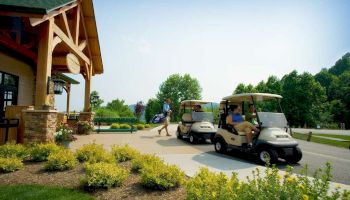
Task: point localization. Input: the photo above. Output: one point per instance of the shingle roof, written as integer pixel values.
(33, 6)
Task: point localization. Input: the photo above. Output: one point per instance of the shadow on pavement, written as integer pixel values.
(223, 162)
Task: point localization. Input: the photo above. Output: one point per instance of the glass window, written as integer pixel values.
(9, 80)
(0, 78)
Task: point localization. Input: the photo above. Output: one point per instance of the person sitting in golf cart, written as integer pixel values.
(250, 114)
(197, 108)
(236, 120)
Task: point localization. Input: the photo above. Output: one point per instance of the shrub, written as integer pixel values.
(40, 152)
(161, 177)
(147, 126)
(94, 153)
(206, 185)
(139, 162)
(271, 185)
(10, 164)
(140, 126)
(125, 126)
(10, 150)
(104, 175)
(61, 160)
(115, 126)
(124, 153)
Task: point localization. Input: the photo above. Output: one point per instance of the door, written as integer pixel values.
(8, 91)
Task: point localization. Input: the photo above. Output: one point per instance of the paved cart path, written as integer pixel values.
(191, 157)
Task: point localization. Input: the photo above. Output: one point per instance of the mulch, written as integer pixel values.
(34, 173)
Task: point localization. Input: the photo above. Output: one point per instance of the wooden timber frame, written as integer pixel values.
(58, 33)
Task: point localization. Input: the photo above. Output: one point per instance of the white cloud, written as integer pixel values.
(140, 45)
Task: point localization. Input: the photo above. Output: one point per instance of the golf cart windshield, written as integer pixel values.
(269, 119)
(202, 116)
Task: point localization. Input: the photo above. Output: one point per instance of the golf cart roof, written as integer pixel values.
(248, 97)
(191, 103)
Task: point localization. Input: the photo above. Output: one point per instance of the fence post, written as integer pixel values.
(309, 136)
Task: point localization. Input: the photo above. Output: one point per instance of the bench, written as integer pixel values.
(109, 120)
(8, 123)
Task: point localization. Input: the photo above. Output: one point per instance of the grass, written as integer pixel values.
(39, 192)
(344, 137)
(326, 141)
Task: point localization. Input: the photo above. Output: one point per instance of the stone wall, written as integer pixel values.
(40, 126)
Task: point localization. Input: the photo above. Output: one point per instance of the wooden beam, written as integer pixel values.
(37, 21)
(85, 33)
(56, 41)
(19, 14)
(82, 45)
(59, 60)
(76, 25)
(87, 107)
(7, 42)
(44, 64)
(66, 25)
(70, 44)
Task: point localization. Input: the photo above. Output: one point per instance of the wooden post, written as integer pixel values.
(43, 69)
(87, 107)
(309, 136)
(68, 98)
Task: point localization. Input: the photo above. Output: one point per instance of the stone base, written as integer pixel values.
(87, 116)
(40, 126)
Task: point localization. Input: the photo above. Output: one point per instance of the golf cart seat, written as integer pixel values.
(231, 129)
(187, 118)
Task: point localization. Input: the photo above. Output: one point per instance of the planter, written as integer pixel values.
(82, 130)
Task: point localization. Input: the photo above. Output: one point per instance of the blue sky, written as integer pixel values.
(221, 43)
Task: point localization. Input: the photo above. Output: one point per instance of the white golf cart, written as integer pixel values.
(196, 124)
(271, 143)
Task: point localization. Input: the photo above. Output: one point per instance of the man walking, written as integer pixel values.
(166, 112)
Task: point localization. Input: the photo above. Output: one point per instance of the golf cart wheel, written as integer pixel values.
(266, 156)
(178, 134)
(220, 146)
(296, 157)
(192, 139)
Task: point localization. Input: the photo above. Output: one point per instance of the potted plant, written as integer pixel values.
(64, 135)
(84, 128)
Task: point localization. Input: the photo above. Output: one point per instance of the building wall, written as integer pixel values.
(25, 73)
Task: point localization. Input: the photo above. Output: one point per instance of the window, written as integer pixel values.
(8, 91)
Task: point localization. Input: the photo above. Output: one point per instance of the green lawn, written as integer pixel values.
(39, 192)
(344, 137)
(324, 140)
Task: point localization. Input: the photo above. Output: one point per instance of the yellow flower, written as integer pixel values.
(290, 179)
(301, 186)
(279, 177)
(337, 186)
(305, 197)
(213, 194)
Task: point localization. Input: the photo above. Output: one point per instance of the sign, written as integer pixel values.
(73, 63)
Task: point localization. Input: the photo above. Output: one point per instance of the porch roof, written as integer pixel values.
(30, 6)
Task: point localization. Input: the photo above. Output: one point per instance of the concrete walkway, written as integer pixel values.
(190, 158)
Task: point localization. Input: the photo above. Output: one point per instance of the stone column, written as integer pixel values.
(87, 116)
(40, 126)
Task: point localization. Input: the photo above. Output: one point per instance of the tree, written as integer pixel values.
(139, 109)
(303, 99)
(341, 65)
(241, 88)
(98, 101)
(326, 79)
(119, 107)
(153, 107)
(179, 88)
